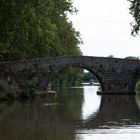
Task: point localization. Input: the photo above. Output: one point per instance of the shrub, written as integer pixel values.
(29, 89)
(138, 86)
(7, 90)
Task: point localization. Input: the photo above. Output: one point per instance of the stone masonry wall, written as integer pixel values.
(115, 75)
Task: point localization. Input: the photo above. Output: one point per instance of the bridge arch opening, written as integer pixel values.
(83, 94)
(75, 76)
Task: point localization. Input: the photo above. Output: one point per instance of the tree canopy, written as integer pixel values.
(135, 12)
(37, 28)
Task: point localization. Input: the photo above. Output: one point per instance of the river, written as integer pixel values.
(76, 113)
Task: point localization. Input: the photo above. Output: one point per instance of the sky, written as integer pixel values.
(105, 28)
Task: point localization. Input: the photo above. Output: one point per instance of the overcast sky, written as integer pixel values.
(105, 28)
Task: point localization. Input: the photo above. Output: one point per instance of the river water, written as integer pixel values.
(76, 113)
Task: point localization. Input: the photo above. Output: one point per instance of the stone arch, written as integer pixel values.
(117, 76)
(77, 65)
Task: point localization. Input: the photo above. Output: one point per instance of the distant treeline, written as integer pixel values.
(88, 76)
(70, 78)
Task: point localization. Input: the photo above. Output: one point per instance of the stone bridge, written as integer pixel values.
(115, 75)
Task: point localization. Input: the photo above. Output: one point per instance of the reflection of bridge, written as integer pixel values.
(115, 111)
(115, 75)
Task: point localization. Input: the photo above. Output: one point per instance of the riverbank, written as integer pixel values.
(11, 91)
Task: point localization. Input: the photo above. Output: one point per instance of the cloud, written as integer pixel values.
(105, 28)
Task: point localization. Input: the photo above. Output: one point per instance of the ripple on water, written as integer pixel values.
(116, 133)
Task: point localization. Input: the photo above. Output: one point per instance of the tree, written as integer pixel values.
(132, 58)
(135, 12)
(88, 76)
(69, 77)
(37, 28)
(111, 56)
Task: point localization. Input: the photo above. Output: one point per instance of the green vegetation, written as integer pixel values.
(138, 87)
(29, 90)
(73, 77)
(137, 90)
(69, 77)
(30, 29)
(132, 58)
(135, 12)
(37, 29)
(7, 90)
(88, 76)
(72, 103)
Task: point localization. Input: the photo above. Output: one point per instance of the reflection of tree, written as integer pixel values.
(33, 122)
(40, 121)
(72, 103)
(137, 97)
(116, 110)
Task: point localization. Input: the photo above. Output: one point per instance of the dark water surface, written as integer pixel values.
(75, 114)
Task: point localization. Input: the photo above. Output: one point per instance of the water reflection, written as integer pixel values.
(71, 100)
(116, 111)
(137, 98)
(76, 114)
(42, 119)
(91, 102)
(117, 114)
(33, 122)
